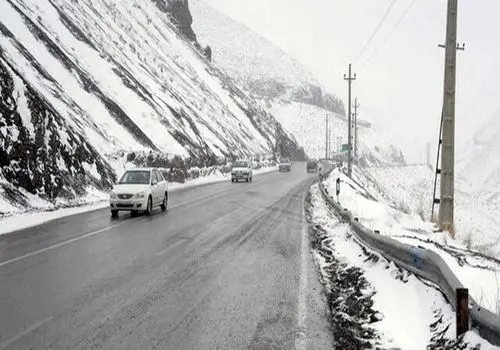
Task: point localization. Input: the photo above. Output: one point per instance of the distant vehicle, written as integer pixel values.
(242, 170)
(312, 166)
(139, 190)
(285, 165)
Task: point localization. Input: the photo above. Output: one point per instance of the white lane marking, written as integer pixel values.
(164, 250)
(301, 340)
(54, 246)
(27, 331)
(200, 199)
(90, 234)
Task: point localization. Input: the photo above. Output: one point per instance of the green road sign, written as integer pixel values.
(345, 147)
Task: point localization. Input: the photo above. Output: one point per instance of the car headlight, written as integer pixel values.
(140, 195)
(113, 195)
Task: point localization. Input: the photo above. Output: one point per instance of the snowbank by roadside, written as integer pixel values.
(373, 301)
(481, 274)
(96, 201)
(476, 216)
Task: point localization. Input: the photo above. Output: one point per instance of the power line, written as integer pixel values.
(376, 29)
(389, 34)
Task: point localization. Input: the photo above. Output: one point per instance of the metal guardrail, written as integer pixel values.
(422, 262)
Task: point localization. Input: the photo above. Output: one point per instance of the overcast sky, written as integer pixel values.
(400, 88)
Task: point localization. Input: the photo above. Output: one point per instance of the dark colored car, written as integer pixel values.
(285, 165)
(312, 167)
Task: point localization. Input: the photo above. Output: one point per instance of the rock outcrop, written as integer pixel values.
(179, 13)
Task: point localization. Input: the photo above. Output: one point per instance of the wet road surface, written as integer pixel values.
(227, 266)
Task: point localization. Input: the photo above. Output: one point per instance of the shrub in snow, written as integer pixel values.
(177, 175)
(131, 157)
(193, 173)
(403, 207)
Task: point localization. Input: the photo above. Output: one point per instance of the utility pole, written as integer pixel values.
(326, 138)
(356, 106)
(349, 79)
(447, 183)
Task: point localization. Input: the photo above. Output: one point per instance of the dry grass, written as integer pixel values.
(403, 207)
(421, 210)
(468, 240)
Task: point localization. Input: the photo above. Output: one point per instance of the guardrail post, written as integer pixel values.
(462, 311)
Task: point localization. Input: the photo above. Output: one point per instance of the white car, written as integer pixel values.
(139, 190)
(242, 170)
(285, 165)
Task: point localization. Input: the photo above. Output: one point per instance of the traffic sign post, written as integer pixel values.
(338, 188)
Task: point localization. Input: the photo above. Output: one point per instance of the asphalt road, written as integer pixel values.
(228, 266)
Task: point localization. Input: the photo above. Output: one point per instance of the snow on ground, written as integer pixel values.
(95, 200)
(479, 273)
(21, 221)
(410, 188)
(307, 123)
(245, 55)
(372, 300)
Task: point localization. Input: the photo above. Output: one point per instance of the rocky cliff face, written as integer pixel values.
(178, 10)
(83, 83)
(39, 151)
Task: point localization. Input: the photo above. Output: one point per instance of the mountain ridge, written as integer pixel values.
(252, 61)
(114, 79)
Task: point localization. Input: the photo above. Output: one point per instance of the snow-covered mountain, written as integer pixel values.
(478, 163)
(308, 124)
(259, 66)
(285, 88)
(82, 81)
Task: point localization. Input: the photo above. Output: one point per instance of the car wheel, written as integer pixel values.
(114, 214)
(149, 210)
(165, 202)
(247, 179)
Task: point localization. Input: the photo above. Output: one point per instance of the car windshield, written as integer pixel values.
(241, 164)
(284, 160)
(135, 178)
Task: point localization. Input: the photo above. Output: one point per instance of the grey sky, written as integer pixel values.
(401, 87)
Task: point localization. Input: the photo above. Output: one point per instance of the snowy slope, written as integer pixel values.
(307, 123)
(284, 87)
(478, 163)
(259, 66)
(84, 80)
(379, 208)
(410, 189)
(478, 181)
(361, 285)
(244, 54)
